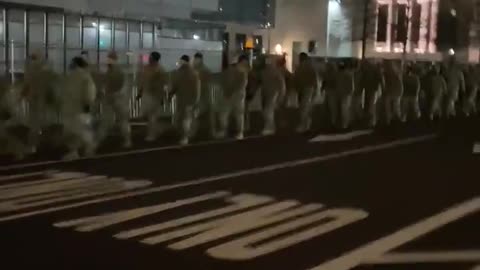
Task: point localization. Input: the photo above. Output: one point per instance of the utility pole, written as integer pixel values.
(366, 8)
(407, 25)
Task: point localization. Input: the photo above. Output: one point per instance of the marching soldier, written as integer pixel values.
(438, 92)
(40, 92)
(306, 82)
(471, 84)
(152, 82)
(115, 102)
(373, 83)
(345, 87)
(78, 100)
(273, 90)
(358, 93)
(411, 95)
(329, 86)
(455, 85)
(234, 84)
(393, 92)
(207, 106)
(186, 87)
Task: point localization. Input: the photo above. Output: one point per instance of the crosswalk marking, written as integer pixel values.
(379, 247)
(427, 257)
(46, 178)
(24, 175)
(240, 202)
(253, 226)
(56, 188)
(94, 223)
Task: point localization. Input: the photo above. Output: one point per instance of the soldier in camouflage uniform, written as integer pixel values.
(455, 85)
(438, 91)
(187, 88)
(115, 102)
(40, 90)
(79, 97)
(234, 86)
(393, 92)
(410, 101)
(471, 84)
(344, 90)
(207, 106)
(306, 82)
(273, 90)
(152, 82)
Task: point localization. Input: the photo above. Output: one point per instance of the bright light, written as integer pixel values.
(196, 37)
(278, 49)
(269, 24)
(453, 12)
(94, 24)
(451, 52)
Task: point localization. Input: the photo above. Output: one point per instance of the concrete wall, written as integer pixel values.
(173, 49)
(137, 8)
(233, 29)
(300, 21)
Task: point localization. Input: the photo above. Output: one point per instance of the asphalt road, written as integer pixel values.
(405, 197)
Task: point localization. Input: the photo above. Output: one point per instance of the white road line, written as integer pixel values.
(427, 257)
(47, 179)
(121, 154)
(379, 247)
(476, 148)
(212, 179)
(25, 175)
(341, 137)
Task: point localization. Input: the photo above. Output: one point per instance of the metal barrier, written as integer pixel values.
(21, 106)
(21, 109)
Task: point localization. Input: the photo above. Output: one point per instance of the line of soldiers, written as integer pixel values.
(352, 93)
(358, 91)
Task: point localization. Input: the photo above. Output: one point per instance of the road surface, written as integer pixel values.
(406, 197)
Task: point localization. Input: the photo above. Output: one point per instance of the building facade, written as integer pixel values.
(415, 29)
(61, 29)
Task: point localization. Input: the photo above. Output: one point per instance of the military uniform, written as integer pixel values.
(410, 101)
(273, 89)
(438, 92)
(41, 94)
(306, 83)
(152, 83)
(393, 93)
(234, 85)
(358, 95)
(9, 142)
(345, 88)
(186, 87)
(329, 85)
(455, 84)
(373, 82)
(471, 84)
(207, 101)
(115, 104)
(79, 98)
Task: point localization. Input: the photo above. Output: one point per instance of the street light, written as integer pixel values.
(278, 49)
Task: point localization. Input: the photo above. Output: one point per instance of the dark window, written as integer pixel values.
(240, 40)
(416, 20)
(382, 23)
(402, 24)
(258, 43)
